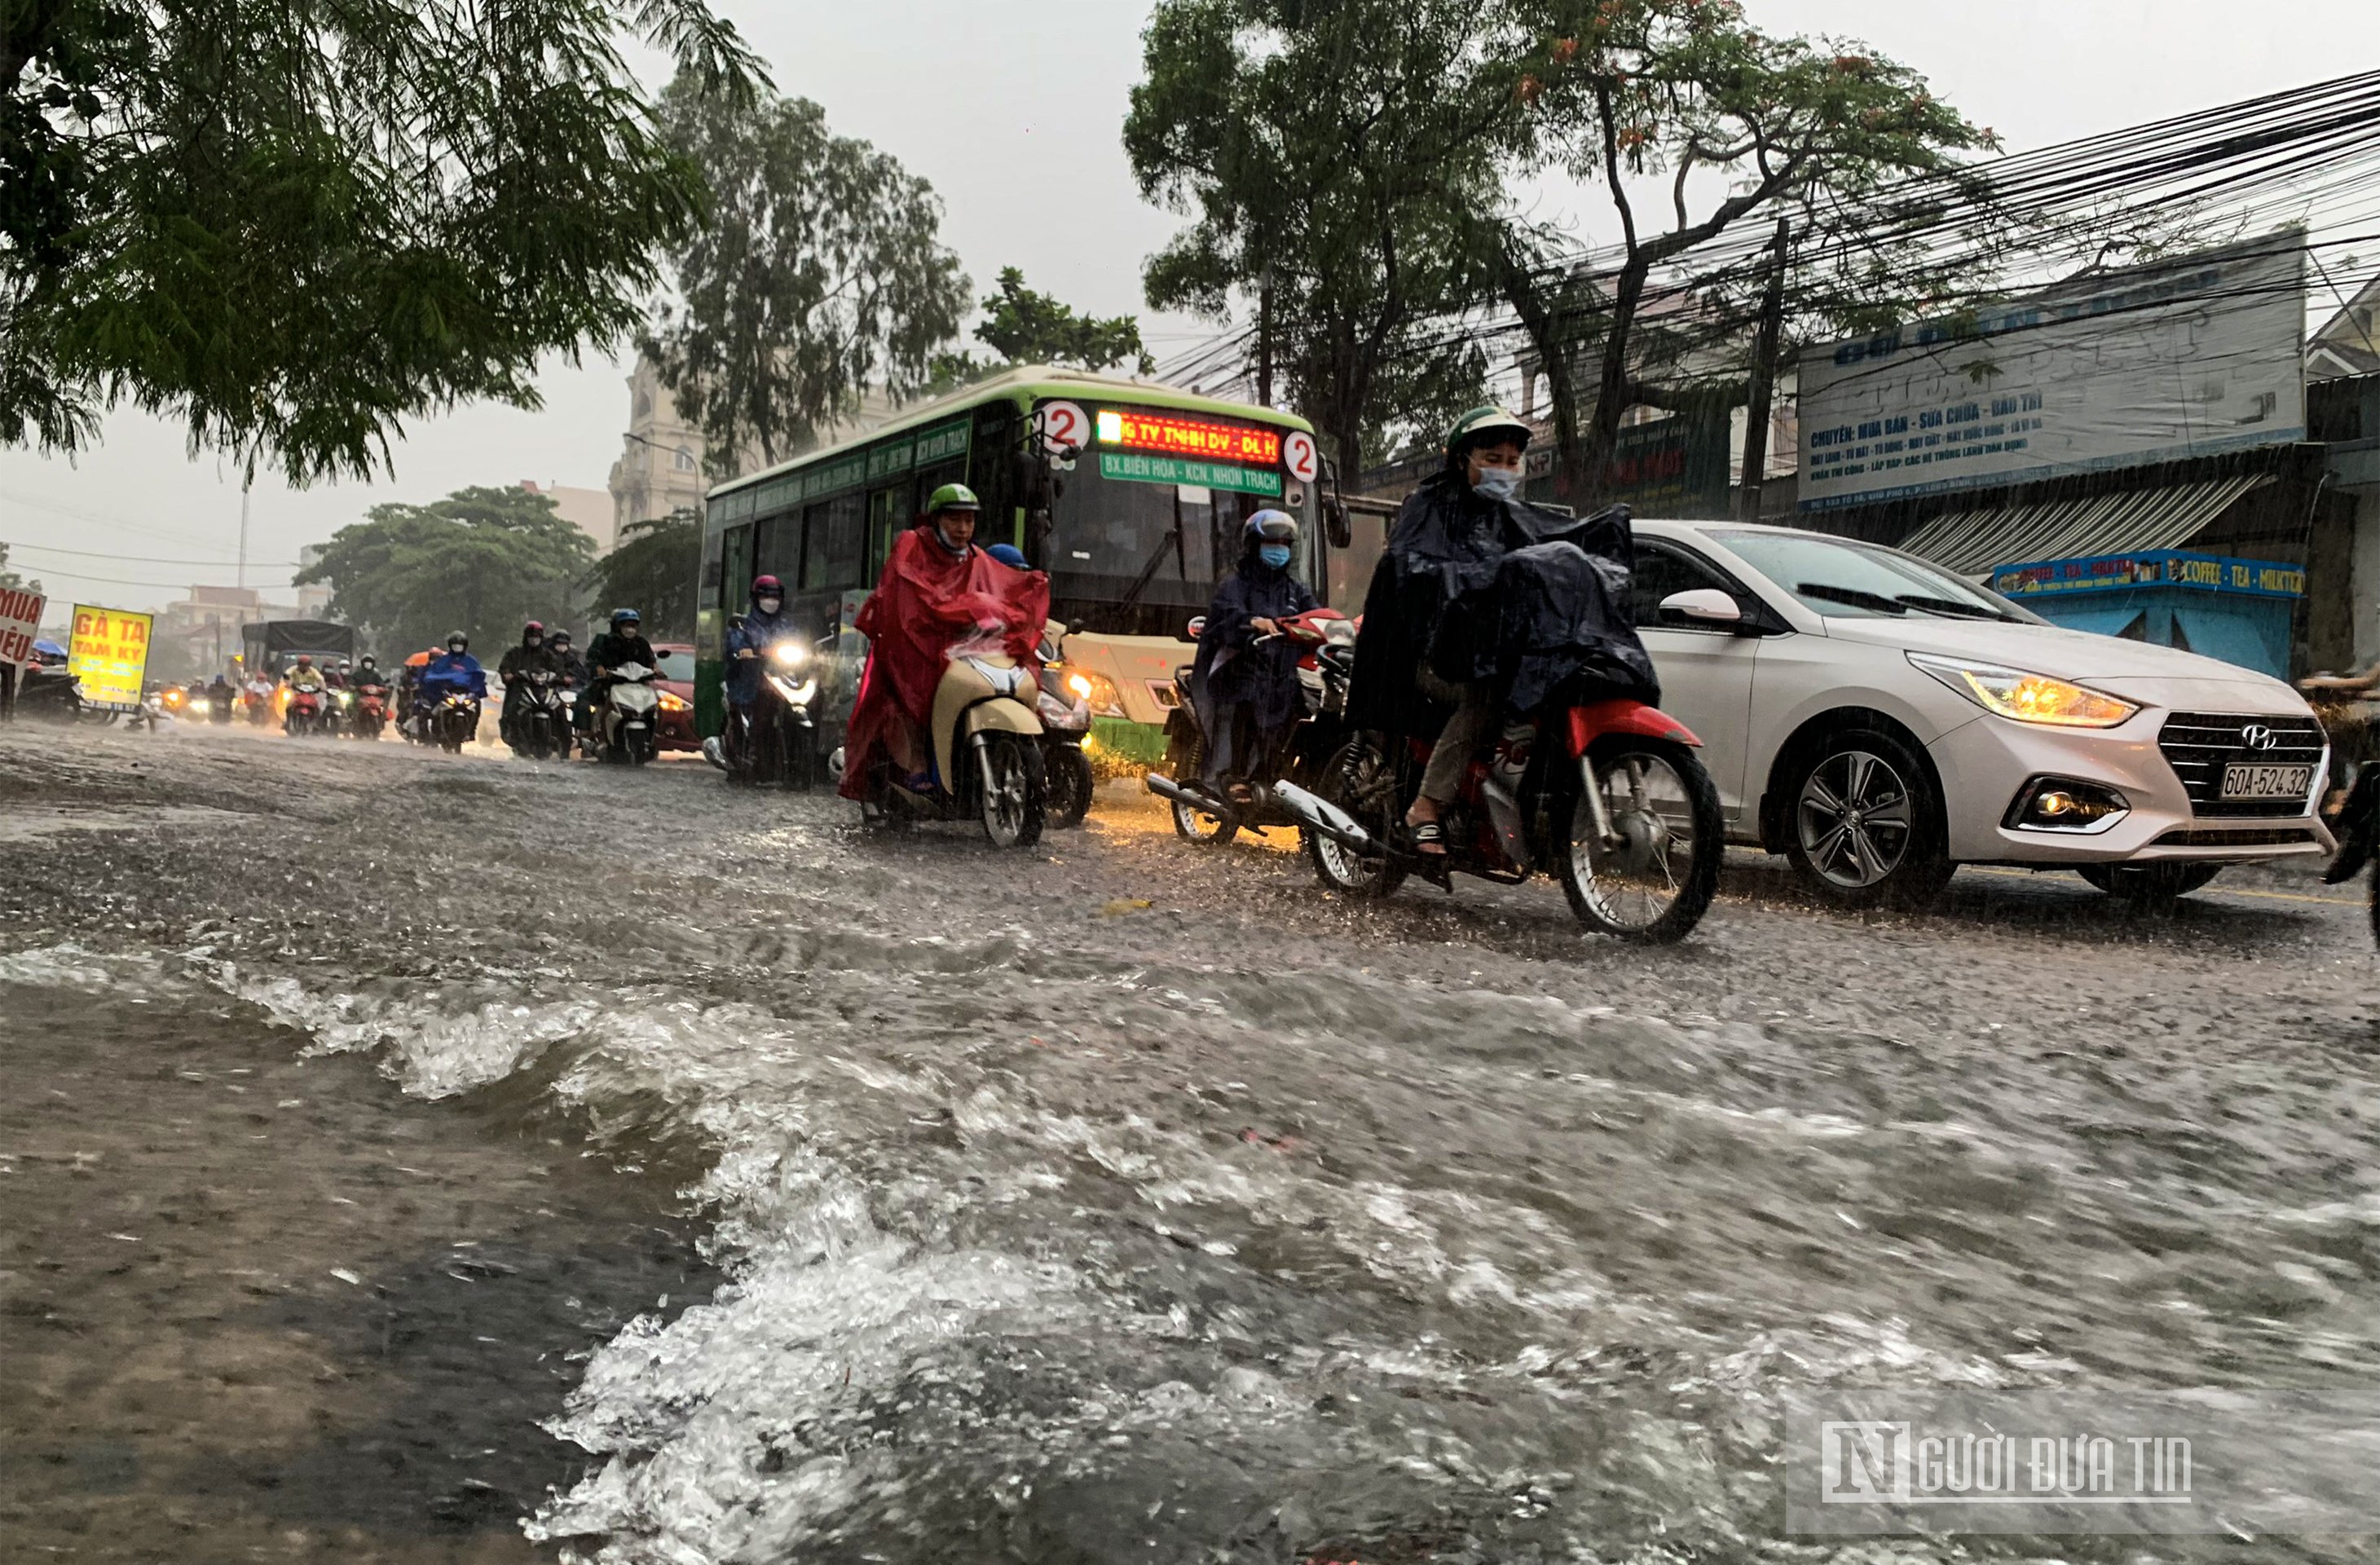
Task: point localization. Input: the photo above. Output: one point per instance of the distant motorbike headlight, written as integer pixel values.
(675, 703)
(2026, 697)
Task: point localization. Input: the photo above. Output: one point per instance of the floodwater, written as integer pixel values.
(1128, 1201)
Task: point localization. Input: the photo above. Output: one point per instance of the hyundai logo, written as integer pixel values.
(2256, 736)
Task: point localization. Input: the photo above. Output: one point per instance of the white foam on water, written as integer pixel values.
(70, 966)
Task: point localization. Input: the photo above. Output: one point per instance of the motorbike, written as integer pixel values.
(219, 707)
(47, 690)
(987, 752)
(625, 726)
(452, 721)
(257, 702)
(1205, 812)
(540, 709)
(1607, 796)
(2357, 825)
(371, 713)
(774, 741)
(179, 703)
(307, 713)
(1065, 711)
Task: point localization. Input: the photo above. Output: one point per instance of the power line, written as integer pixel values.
(139, 559)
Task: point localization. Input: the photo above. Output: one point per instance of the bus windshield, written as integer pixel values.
(1136, 546)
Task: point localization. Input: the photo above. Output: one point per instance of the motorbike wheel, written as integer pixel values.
(802, 759)
(1185, 758)
(1071, 784)
(1015, 796)
(1655, 883)
(1360, 781)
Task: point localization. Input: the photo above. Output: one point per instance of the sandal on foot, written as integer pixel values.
(1429, 837)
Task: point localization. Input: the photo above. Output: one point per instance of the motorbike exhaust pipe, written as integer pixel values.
(1320, 815)
(1164, 787)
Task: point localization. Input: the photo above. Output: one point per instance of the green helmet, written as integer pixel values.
(1482, 424)
(953, 497)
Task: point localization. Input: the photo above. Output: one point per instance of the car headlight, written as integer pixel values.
(675, 703)
(2026, 697)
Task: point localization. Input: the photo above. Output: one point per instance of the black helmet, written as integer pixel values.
(1485, 426)
(458, 636)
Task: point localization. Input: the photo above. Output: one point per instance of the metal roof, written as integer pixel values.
(1973, 543)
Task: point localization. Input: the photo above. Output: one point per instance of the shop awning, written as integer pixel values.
(1972, 542)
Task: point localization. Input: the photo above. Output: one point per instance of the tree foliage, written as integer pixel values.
(1332, 159)
(821, 273)
(1025, 326)
(293, 225)
(1743, 126)
(483, 561)
(652, 569)
(11, 581)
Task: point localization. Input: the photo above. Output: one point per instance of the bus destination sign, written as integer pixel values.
(1203, 439)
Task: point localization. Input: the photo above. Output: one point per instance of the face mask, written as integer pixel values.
(1498, 483)
(1274, 554)
(534, 641)
(768, 605)
(455, 648)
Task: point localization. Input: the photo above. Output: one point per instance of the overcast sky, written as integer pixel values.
(1013, 112)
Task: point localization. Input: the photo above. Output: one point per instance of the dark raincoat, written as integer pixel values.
(1554, 625)
(1446, 542)
(1230, 665)
(927, 603)
(758, 633)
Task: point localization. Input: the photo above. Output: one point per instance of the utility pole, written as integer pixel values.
(1264, 338)
(242, 580)
(1764, 379)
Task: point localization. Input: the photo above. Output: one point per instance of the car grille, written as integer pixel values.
(2247, 837)
(2199, 744)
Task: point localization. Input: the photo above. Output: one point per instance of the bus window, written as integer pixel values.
(833, 561)
(737, 573)
(991, 461)
(777, 551)
(889, 515)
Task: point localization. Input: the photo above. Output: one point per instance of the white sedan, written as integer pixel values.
(1880, 721)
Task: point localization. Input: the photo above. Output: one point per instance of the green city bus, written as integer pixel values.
(1132, 495)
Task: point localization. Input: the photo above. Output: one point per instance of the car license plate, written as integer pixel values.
(2245, 781)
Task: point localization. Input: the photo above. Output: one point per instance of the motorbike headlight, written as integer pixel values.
(789, 654)
(2026, 697)
(1095, 691)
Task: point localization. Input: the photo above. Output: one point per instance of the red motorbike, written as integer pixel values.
(1607, 797)
(304, 715)
(371, 713)
(1216, 812)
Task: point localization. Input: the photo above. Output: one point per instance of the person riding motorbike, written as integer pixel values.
(571, 672)
(334, 675)
(303, 676)
(517, 664)
(749, 642)
(936, 591)
(624, 644)
(1237, 667)
(221, 698)
(452, 672)
(1449, 536)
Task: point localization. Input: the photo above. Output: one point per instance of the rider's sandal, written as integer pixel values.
(1429, 837)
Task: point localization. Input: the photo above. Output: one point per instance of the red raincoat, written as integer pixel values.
(927, 603)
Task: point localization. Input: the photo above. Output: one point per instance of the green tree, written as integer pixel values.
(1743, 128)
(293, 225)
(482, 560)
(821, 272)
(1028, 327)
(652, 569)
(1335, 160)
(10, 581)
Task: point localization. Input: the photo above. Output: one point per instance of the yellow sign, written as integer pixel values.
(108, 655)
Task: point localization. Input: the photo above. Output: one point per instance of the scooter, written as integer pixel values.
(2358, 826)
(626, 721)
(453, 721)
(776, 742)
(1065, 712)
(306, 715)
(1205, 812)
(1606, 796)
(540, 710)
(987, 752)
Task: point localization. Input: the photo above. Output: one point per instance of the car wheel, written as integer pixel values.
(1865, 822)
(2149, 884)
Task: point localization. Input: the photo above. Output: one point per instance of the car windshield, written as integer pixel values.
(676, 664)
(1845, 580)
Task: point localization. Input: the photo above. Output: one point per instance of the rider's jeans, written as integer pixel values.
(1465, 732)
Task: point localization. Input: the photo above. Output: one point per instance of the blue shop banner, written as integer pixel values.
(2152, 567)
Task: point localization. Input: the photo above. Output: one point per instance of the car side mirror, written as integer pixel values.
(1704, 605)
(1336, 527)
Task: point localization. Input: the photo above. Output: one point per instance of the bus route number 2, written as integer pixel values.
(1066, 430)
(1298, 455)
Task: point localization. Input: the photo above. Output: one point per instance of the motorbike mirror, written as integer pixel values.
(1336, 525)
(1198, 628)
(1703, 605)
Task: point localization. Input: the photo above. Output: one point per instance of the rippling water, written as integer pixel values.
(1049, 1254)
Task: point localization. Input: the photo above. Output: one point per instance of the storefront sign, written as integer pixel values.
(108, 655)
(1675, 467)
(2191, 357)
(21, 621)
(1168, 469)
(2159, 568)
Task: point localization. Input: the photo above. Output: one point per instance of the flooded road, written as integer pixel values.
(1129, 1201)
